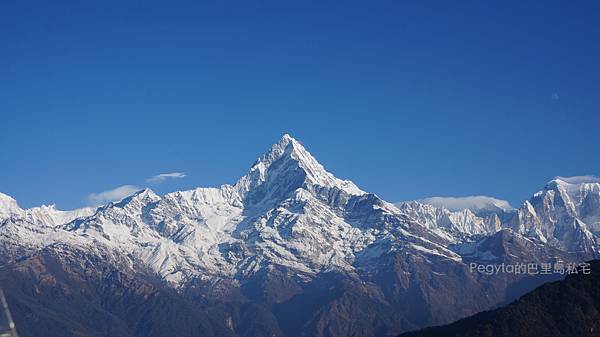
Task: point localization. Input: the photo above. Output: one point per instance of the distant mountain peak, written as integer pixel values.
(286, 167)
(475, 203)
(564, 213)
(286, 146)
(585, 179)
(288, 137)
(143, 196)
(573, 185)
(8, 205)
(146, 193)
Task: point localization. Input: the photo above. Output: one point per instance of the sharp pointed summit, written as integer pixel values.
(288, 166)
(287, 147)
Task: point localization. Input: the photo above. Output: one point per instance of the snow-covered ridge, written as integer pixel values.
(45, 215)
(475, 203)
(287, 211)
(453, 223)
(587, 179)
(565, 214)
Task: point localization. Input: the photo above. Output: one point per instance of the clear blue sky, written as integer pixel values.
(408, 99)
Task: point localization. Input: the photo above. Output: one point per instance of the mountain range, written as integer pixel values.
(288, 250)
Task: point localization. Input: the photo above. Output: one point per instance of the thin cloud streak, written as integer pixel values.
(115, 194)
(157, 179)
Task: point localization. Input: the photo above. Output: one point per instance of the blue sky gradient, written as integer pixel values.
(408, 99)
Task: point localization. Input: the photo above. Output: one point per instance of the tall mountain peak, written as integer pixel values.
(564, 212)
(573, 183)
(143, 196)
(288, 166)
(285, 146)
(587, 179)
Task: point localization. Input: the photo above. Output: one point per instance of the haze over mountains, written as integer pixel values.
(288, 250)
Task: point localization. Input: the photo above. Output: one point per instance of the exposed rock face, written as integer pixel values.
(565, 214)
(289, 250)
(69, 291)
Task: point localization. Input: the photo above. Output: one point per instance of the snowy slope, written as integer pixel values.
(455, 224)
(286, 211)
(565, 214)
(44, 215)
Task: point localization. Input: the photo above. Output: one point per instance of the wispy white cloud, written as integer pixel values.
(475, 203)
(115, 194)
(157, 179)
(580, 179)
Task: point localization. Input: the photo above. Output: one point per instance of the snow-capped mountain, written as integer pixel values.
(565, 214)
(288, 210)
(287, 238)
(455, 224)
(47, 215)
